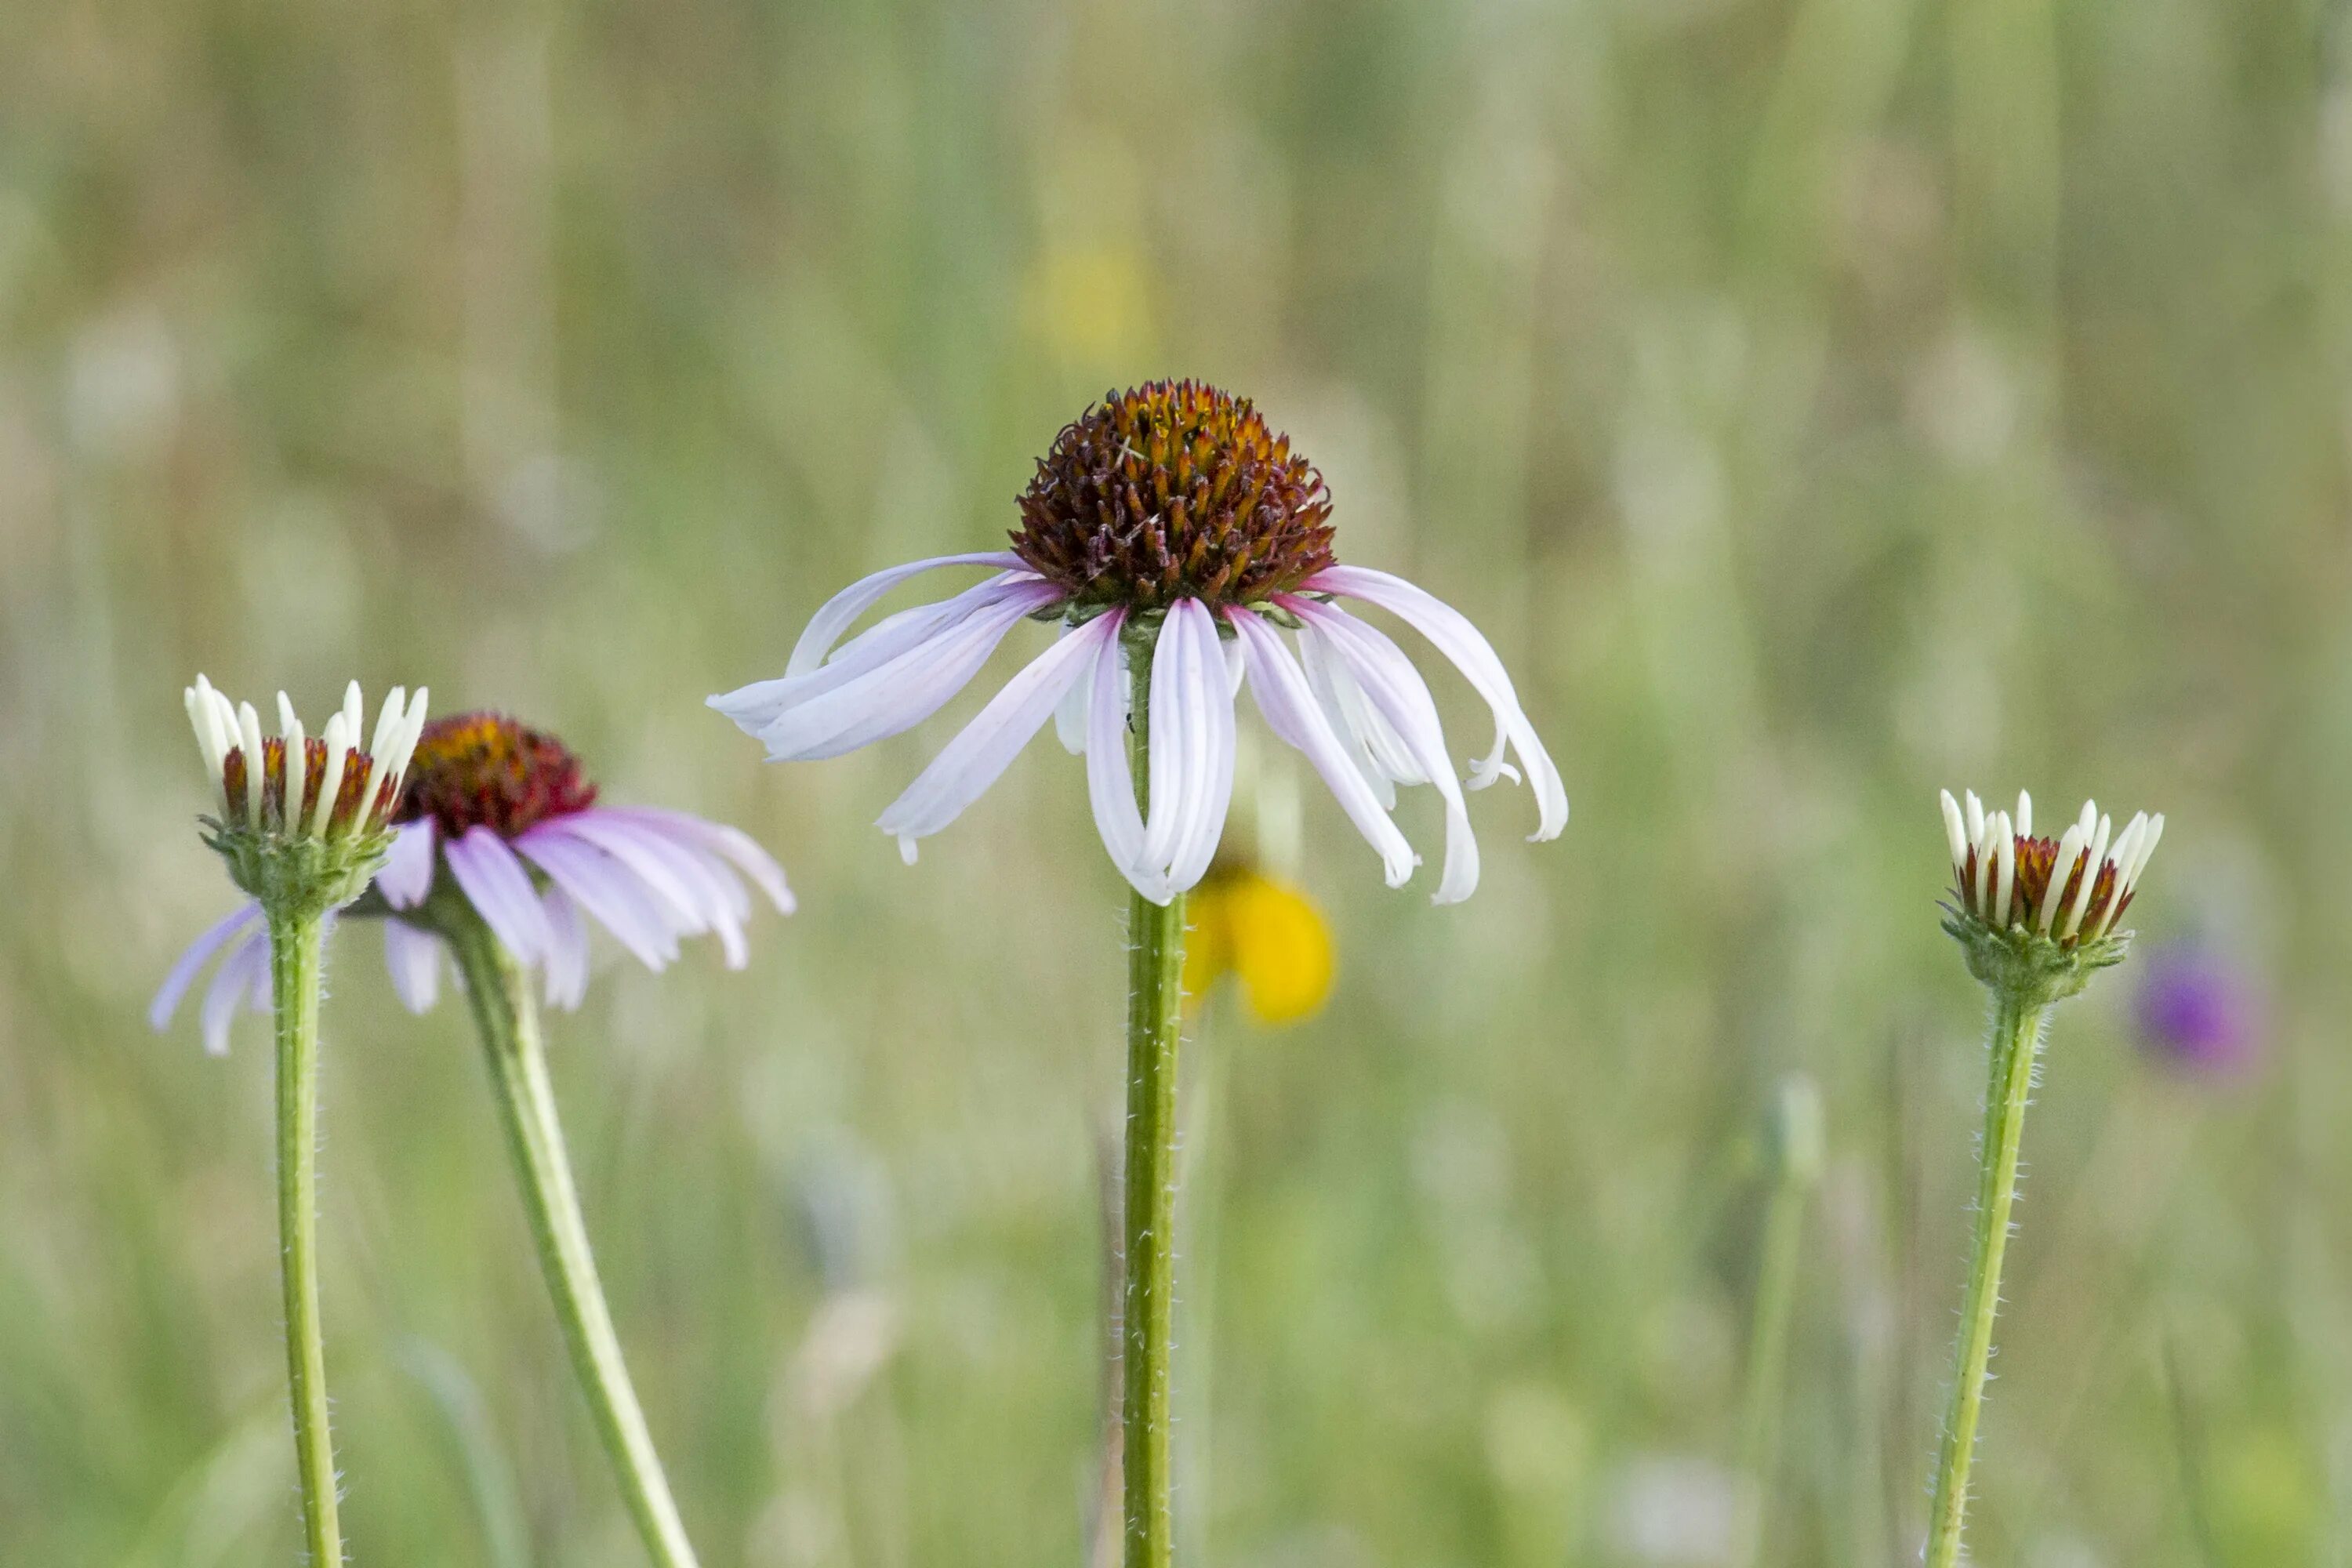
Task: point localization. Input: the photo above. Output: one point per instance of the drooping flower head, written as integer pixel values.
(303, 820)
(1168, 524)
(2053, 904)
(510, 814)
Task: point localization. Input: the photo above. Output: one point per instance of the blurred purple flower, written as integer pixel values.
(2197, 1011)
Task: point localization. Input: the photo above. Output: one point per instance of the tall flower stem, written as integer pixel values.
(1154, 1030)
(507, 1016)
(2014, 1042)
(294, 960)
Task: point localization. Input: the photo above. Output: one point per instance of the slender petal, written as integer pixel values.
(1208, 727)
(244, 977)
(761, 703)
(606, 889)
(1070, 716)
(413, 957)
(825, 627)
(192, 962)
(1181, 750)
(1373, 741)
(986, 747)
(1452, 635)
(730, 844)
(900, 693)
(1291, 711)
(1396, 691)
(498, 887)
(1110, 782)
(567, 952)
(406, 876)
(665, 875)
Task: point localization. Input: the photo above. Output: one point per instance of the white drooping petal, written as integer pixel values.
(1203, 726)
(407, 873)
(192, 962)
(1370, 738)
(841, 611)
(1110, 781)
(498, 887)
(902, 692)
(1070, 713)
(685, 906)
(755, 706)
(1291, 711)
(1396, 691)
(1452, 635)
(1179, 749)
(986, 747)
(413, 959)
(567, 952)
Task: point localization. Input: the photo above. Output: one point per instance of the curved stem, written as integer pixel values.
(507, 1018)
(294, 942)
(2015, 1041)
(1154, 1029)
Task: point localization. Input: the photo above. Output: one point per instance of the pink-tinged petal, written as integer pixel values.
(841, 611)
(1451, 634)
(713, 895)
(986, 746)
(756, 707)
(1070, 713)
(408, 874)
(567, 952)
(498, 887)
(682, 901)
(605, 888)
(413, 958)
(1291, 712)
(730, 843)
(1396, 692)
(1110, 782)
(191, 962)
(896, 696)
(244, 977)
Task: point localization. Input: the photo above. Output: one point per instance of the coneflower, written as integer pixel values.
(496, 855)
(303, 823)
(2036, 918)
(1175, 538)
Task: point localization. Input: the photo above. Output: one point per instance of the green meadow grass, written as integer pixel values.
(1819, 402)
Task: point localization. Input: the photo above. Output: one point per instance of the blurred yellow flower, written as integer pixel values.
(1266, 933)
(1092, 304)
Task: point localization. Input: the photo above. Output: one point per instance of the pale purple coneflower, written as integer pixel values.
(1175, 538)
(515, 822)
(1169, 524)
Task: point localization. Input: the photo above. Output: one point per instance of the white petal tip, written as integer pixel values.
(906, 849)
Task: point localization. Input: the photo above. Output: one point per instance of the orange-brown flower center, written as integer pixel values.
(2037, 863)
(485, 770)
(1174, 489)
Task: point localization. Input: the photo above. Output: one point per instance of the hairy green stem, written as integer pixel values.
(294, 960)
(507, 1018)
(1154, 1030)
(2014, 1042)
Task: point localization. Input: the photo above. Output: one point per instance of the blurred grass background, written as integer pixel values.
(1818, 402)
